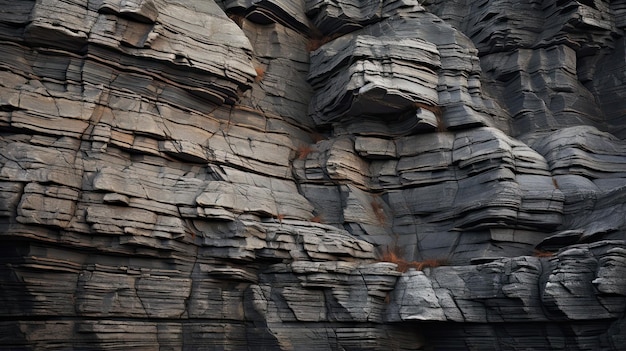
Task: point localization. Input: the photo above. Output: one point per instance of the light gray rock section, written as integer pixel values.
(348, 79)
(581, 283)
(417, 301)
(281, 62)
(151, 31)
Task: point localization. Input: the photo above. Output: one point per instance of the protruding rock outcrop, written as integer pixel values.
(319, 175)
(531, 297)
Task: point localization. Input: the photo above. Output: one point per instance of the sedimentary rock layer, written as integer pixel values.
(319, 175)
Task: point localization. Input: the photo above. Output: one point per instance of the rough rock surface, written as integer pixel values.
(312, 175)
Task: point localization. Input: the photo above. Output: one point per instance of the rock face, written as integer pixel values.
(312, 175)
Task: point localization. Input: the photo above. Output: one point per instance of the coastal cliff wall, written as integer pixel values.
(312, 175)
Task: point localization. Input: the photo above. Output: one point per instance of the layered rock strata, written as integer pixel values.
(319, 175)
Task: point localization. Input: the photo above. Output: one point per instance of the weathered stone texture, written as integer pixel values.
(312, 175)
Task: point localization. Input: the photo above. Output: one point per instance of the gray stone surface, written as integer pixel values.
(582, 283)
(319, 175)
(352, 76)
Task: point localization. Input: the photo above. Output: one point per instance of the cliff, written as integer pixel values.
(312, 175)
